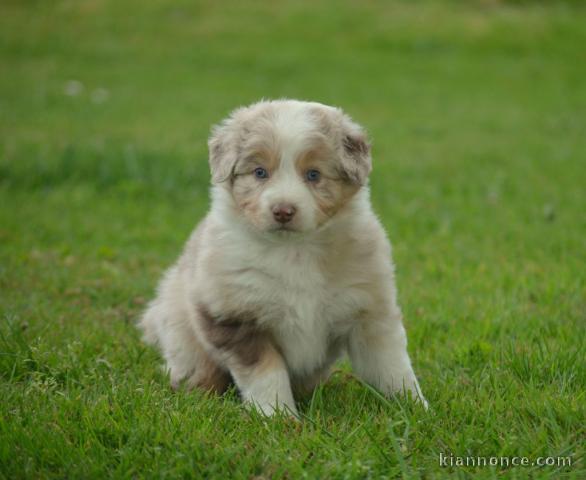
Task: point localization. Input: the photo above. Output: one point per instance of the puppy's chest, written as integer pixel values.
(306, 310)
(311, 320)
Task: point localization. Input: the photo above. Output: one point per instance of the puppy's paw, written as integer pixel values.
(272, 409)
(422, 401)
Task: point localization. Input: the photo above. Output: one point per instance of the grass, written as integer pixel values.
(477, 114)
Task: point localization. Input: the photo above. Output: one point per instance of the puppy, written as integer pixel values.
(290, 268)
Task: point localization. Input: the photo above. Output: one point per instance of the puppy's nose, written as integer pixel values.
(283, 212)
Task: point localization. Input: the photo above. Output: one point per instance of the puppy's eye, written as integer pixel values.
(313, 175)
(261, 173)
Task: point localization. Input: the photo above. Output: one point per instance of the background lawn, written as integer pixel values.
(477, 110)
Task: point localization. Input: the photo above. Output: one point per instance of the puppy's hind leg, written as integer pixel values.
(185, 358)
(167, 324)
(164, 326)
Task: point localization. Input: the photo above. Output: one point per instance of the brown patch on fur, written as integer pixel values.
(356, 144)
(246, 191)
(356, 160)
(353, 147)
(236, 334)
(319, 157)
(257, 156)
(213, 378)
(332, 196)
(246, 188)
(333, 191)
(304, 387)
(271, 359)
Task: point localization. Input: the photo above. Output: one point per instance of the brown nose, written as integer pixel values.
(283, 212)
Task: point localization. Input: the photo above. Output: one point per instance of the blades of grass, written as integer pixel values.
(397, 449)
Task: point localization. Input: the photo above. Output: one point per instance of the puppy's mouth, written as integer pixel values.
(283, 228)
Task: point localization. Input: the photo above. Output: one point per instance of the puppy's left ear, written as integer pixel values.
(356, 159)
(222, 151)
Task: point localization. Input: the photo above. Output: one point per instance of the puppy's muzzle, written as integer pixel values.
(283, 212)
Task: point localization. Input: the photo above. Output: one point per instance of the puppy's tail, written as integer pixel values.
(148, 323)
(166, 308)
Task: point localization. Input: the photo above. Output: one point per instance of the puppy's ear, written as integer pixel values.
(222, 151)
(356, 159)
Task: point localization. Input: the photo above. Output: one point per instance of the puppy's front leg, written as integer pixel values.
(264, 383)
(257, 367)
(378, 352)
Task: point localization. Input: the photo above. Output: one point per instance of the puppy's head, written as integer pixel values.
(289, 165)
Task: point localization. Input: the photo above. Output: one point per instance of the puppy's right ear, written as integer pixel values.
(222, 152)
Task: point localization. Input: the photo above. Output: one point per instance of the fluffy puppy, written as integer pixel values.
(290, 268)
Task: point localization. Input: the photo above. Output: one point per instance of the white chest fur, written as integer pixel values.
(303, 307)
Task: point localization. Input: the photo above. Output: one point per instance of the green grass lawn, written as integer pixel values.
(477, 111)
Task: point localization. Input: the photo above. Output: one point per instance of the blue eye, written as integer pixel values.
(313, 175)
(261, 173)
